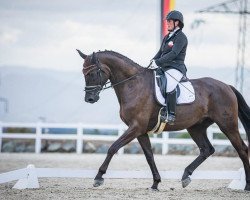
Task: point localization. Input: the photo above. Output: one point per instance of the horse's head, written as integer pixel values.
(96, 74)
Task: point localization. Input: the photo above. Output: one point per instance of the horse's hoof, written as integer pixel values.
(98, 182)
(186, 182)
(153, 189)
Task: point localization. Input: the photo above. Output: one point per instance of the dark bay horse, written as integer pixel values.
(215, 102)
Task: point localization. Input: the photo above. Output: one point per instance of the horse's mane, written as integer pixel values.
(126, 59)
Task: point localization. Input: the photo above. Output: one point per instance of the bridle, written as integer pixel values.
(99, 87)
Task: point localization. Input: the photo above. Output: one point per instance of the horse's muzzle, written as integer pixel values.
(91, 98)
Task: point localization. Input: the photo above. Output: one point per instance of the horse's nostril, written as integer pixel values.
(91, 100)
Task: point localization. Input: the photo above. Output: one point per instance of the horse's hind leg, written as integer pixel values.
(230, 129)
(146, 147)
(199, 135)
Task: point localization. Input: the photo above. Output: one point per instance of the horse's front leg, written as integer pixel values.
(147, 149)
(131, 133)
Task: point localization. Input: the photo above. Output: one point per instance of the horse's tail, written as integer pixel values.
(244, 113)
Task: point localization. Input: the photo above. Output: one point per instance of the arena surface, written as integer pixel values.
(77, 188)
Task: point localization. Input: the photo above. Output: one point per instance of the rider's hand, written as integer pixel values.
(153, 65)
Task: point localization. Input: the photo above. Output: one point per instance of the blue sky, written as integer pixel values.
(45, 34)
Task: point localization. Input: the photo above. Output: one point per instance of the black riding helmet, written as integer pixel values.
(176, 15)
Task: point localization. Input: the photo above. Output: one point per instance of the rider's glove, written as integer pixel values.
(153, 65)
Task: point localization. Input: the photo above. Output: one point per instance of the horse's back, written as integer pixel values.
(211, 86)
(207, 81)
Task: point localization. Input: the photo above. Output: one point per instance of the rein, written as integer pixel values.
(94, 87)
(125, 80)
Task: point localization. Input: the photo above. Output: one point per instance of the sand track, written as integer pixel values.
(76, 188)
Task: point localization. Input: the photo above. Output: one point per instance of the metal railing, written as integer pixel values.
(80, 136)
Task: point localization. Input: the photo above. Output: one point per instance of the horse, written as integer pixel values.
(215, 102)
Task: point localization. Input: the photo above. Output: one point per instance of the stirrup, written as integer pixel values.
(171, 119)
(164, 115)
(164, 118)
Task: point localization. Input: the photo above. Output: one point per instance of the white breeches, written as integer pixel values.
(173, 78)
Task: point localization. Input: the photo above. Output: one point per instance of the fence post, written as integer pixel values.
(120, 132)
(165, 145)
(79, 142)
(1, 135)
(38, 137)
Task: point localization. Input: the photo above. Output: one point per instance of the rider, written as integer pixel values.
(170, 58)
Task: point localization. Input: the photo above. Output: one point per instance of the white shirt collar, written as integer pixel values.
(172, 32)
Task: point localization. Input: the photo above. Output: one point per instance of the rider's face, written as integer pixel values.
(170, 24)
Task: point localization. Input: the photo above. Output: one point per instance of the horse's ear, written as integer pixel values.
(93, 58)
(81, 54)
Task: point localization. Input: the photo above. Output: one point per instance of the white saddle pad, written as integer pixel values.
(187, 94)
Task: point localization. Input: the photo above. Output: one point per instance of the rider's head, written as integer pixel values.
(174, 19)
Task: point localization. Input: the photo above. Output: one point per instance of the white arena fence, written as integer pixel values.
(80, 136)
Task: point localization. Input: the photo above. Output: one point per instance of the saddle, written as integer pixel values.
(162, 82)
(184, 90)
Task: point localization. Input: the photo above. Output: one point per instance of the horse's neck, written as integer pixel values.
(120, 69)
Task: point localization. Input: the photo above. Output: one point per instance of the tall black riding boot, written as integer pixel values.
(171, 100)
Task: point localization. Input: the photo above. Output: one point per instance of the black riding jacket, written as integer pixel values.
(172, 52)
